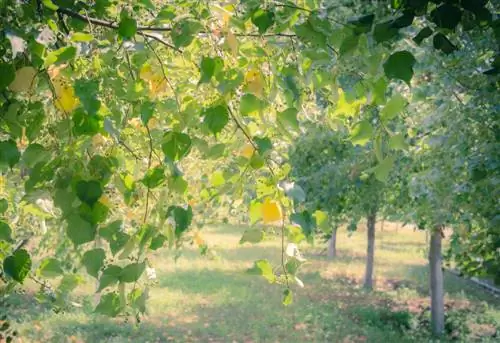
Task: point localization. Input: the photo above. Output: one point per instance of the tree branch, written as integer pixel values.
(114, 26)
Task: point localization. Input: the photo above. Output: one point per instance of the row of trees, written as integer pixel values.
(110, 109)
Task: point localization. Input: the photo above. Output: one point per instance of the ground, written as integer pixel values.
(200, 299)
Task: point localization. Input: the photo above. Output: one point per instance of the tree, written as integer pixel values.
(329, 169)
(103, 106)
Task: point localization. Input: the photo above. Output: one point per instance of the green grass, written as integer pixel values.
(198, 299)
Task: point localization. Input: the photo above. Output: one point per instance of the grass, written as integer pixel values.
(199, 299)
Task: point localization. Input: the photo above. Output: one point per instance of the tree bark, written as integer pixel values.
(436, 283)
(370, 250)
(332, 244)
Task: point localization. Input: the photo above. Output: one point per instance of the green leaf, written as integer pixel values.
(110, 276)
(178, 184)
(9, 154)
(287, 297)
(307, 33)
(18, 265)
(81, 37)
(349, 44)
(7, 75)
(250, 104)
(60, 56)
(137, 300)
(157, 242)
(216, 118)
(34, 154)
(154, 177)
(321, 218)
(257, 161)
(182, 217)
(109, 305)
(441, 42)
(398, 142)
(423, 34)
(288, 118)
(295, 192)
(361, 133)
(446, 16)
(50, 267)
(393, 107)
(255, 211)
(93, 260)
(263, 19)
(183, 32)
(217, 179)
(252, 236)
(4, 206)
(50, 5)
(264, 144)
(89, 192)
(176, 145)
(383, 169)
(209, 67)
(305, 220)
(5, 231)
(400, 66)
(363, 24)
(263, 268)
(127, 27)
(79, 230)
(132, 272)
(147, 110)
(384, 32)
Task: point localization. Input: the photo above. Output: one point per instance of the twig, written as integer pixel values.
(162, 66)
(158, 39)
(105, 23)
(114, 26)
(283, 250)
(149, 166)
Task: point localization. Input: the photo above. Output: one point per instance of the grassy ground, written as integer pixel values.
(212, 300)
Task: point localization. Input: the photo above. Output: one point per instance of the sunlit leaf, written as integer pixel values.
(271, 211)
(362, 133)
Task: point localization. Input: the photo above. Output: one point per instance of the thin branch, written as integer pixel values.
(288, 35)
(159, 39)
(106, 23)
(114, 26)
(162, 66)
(294, 7)
(149, 166)
(283, 250)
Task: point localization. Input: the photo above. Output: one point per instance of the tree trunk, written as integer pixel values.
(370, 250)
(436, 283)
(332, 244)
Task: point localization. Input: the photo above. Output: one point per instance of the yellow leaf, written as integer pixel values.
(105, 201)
(198, 240)
(66, 100)
(271, 211)
(346, 108)
(247, 151)
(254, 81)
(232, 43)
(146, 72)
(24, 81)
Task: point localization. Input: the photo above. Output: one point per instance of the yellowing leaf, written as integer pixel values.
(66, 100)
(24, 81)
(346, 108)
(198, 240)
(247, 151)
(254, 82)
(232, 42)
(271, 211)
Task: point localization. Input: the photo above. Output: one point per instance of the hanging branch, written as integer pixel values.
(105, 23)
(114, 26)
